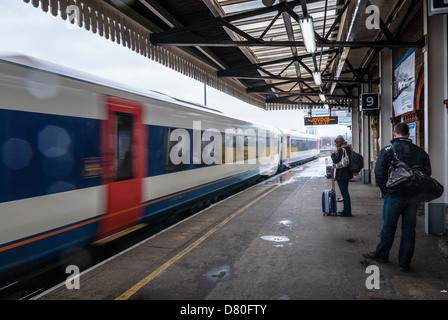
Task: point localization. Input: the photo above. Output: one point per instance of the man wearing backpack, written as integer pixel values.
(398, 202)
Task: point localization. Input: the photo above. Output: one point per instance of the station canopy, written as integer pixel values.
(274, 54)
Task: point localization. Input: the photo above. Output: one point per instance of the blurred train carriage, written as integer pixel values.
(82, 158)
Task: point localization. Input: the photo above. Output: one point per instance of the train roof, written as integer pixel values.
(45, 66)
(294, 132)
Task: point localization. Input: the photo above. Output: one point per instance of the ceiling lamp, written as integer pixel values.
(317, 78)
(306, 25)
(322, 97)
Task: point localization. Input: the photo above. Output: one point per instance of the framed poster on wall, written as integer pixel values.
(404, 83)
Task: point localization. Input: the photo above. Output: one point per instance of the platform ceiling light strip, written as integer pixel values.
(105, 20)
(317, 78)
(306, 25)
(322, 97)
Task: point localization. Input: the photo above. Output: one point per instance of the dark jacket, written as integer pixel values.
(342, 173)
(409, 153)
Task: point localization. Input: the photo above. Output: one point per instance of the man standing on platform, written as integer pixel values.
(398, 202)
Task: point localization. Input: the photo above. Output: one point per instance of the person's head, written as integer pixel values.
(401, 130)
(339, 141)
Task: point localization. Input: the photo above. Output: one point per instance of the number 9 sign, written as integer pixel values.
(370, 101)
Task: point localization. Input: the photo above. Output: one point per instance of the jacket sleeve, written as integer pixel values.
(336, 157)
(381, 170)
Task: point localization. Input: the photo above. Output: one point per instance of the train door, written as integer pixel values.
(123, 164)
(288, 148)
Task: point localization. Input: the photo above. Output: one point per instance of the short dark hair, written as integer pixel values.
(401, 129)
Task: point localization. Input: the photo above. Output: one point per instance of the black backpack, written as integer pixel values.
(356, 162)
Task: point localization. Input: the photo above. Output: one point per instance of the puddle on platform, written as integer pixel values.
(280, 240)
(275, 238)
(218, 273)
(286, 223)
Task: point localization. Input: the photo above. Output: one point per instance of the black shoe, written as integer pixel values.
(372, 255)
(341, 214)
(405, 269)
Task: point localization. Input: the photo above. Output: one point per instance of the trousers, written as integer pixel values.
(343, 187)
(393, 208)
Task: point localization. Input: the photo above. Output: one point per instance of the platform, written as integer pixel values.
(269, 242)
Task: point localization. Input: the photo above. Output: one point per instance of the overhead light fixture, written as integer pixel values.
(322, 97)
(306, 25)
(317, 78)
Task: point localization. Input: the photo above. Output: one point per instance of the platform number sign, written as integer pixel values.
(370, 101)
(437, 7)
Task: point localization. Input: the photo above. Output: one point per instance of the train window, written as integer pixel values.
(123, 155)
(268, 143)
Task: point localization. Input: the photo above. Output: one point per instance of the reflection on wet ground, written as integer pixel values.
(315, 168)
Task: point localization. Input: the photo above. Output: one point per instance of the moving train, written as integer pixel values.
(83, 158)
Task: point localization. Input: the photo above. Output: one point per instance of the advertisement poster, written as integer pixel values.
(404, 84)
(412, 132)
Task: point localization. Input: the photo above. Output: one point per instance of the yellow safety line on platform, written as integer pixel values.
(159, 270)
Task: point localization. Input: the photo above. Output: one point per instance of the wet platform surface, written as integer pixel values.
(269, 242)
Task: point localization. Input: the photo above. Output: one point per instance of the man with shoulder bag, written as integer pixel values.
(399, 199)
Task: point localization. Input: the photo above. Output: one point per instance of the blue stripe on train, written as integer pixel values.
(42, 154)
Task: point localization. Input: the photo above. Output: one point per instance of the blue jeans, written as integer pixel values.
(393, 207)
(343, 187)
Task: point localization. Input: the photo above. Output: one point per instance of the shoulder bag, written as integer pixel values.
(400, 175)
(412, 181)
(345, 161)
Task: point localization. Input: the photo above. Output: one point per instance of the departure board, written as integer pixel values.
(316, 121)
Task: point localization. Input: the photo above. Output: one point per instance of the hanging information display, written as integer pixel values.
(315, 121)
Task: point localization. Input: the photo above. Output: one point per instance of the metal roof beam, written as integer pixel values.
(312, 94)
(264, 10)
(311, 104)
(337, 20)
(301, 79)
(253, 67)
(188, 39)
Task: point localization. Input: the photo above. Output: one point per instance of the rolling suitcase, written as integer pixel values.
(329, 202)
(329, 207)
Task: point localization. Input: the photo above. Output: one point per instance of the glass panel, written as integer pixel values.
(124, 166)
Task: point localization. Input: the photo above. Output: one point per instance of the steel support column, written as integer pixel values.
(436, 115)
(386, 88)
